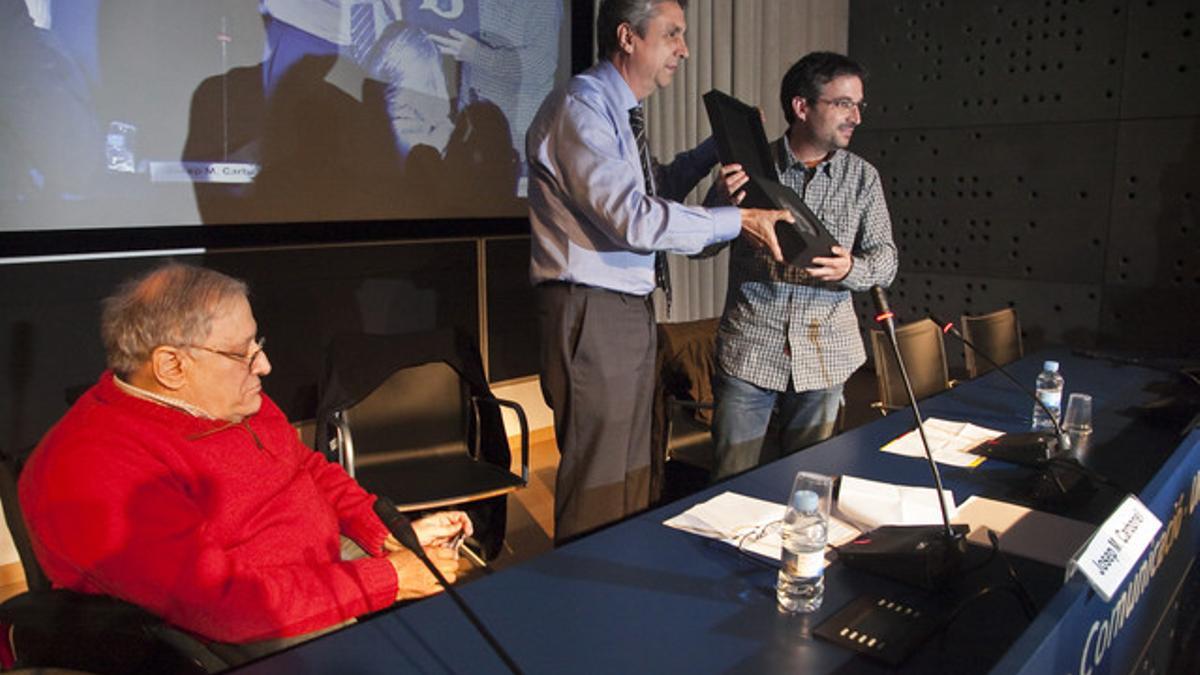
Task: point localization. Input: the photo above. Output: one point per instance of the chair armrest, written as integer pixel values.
(673, 402)
(66, 629)
(345, 441)
(522, 421)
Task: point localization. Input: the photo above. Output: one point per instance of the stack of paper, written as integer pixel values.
(869, 503)
(748, 523)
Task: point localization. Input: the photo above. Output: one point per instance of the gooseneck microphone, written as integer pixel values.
(1032, 448)
(922, 555)
(401, 528)
(885, 317)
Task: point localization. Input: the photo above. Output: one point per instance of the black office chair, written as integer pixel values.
(997, 334)
(924, 353)
(61, 629)
(411, 417)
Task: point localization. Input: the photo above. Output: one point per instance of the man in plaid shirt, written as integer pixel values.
(789, 338)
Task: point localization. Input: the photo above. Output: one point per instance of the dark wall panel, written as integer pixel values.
(997, 200)
(303, 297)
(49, 316)
(1155, 202)
(947, 62)
(1162, 59)
(512, 315)
(1041, 155)
(1050, 313)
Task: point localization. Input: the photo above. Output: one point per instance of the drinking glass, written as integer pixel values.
(1077, 423)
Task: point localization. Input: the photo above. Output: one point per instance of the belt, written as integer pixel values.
(559, 283)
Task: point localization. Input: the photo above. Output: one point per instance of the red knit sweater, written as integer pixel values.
(227, 530)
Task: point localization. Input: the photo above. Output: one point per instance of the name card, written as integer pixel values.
(1107, 558)
(202, 172)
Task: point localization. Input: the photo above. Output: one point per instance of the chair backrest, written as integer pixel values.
(924, 353)
(10, 470)
(418, 409)
(687, 358)
(997, 334)
(61, 629)
(682, 409)
(413, 418)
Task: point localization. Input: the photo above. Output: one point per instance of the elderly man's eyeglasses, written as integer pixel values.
(247, 359)
(845, 104)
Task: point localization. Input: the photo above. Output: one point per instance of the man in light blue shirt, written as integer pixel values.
(600, 210)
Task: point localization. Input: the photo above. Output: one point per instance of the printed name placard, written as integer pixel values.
(1108, 557)
(202, 172)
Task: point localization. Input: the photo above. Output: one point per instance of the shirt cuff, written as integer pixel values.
(727, 223)
(380, 581)
(857, 279)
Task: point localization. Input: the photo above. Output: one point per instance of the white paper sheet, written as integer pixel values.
(747, 522)
(869, 504)
(949, 442)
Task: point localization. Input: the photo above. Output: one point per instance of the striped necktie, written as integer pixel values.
(362, 30)
(637, 122)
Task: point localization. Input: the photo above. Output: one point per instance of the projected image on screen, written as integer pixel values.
(177, 112)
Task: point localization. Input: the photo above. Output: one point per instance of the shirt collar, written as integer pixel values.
(785, 160)
(609, 74)
(170, 402)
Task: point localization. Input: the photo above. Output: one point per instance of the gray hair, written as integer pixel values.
(173, 304)
(613, 13)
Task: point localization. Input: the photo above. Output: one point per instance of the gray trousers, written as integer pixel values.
(597, 358)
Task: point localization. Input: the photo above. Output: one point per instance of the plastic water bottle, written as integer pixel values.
(1049, 392)
(801, 584)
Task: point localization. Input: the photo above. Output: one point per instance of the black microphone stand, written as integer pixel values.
(922, 555)
(400, 527)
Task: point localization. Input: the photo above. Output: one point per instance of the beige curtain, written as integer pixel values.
(742, 47)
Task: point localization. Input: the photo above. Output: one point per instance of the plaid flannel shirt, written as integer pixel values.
(778, 326)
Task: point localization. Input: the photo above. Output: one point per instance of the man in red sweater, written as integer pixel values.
(174, 483)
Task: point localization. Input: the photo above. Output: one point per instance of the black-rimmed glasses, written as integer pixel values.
(846, 104)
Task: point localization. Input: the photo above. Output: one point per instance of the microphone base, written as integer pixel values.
(925, 556)
(1033, 448)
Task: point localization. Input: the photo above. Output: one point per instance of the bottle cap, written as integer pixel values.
(805, 501)
(1051, 366)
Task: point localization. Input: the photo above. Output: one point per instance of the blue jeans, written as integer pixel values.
(744, 433)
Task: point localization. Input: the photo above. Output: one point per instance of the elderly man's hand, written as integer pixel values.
(414, 580)
(443, 529)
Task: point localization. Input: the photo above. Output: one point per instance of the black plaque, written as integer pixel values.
(741, 140)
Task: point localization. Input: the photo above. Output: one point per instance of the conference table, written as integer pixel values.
(640, 597)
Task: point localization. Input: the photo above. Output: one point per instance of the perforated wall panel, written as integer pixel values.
(943, 62)
(1044, 156)
(1162, 59)
(1020, 201)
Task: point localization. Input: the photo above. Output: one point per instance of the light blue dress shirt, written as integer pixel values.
(592, 221)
